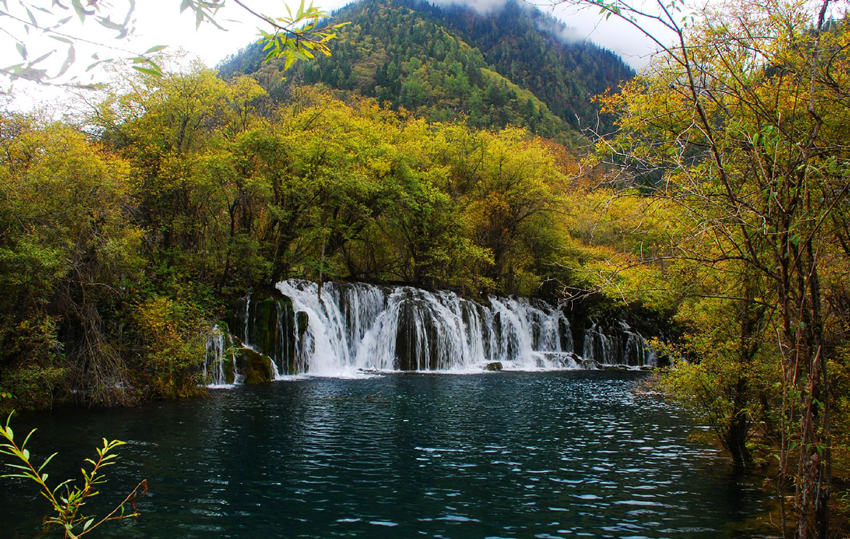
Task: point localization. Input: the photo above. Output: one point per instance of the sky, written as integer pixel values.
(156, 25)
(212, 45)
(159, 22)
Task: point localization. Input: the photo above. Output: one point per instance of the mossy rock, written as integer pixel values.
(494, 366)
(227, 363)
(269, 326)
(255, 368)
(302, 323)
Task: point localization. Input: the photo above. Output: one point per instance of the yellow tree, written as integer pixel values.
(745, 113)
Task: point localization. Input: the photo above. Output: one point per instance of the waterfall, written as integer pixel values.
(220, 361)
(349, 328)
(623, 347)
(356, 327)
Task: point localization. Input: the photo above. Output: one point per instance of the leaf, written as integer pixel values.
(69, 61)
(23, 476)
(60, 485)
(32, 17)
(17, 466)
(46, 461)
(27, 439)
(62, 39)
(152, 71)
(156, 48)
(131, 8)
(81, 11)
(22, 50)
(40, 58)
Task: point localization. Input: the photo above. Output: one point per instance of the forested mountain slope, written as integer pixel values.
(448, 63)
(538, 53)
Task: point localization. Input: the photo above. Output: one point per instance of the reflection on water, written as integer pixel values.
(493, 455)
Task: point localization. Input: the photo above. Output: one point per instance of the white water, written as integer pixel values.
(219, 347)
(361, 327)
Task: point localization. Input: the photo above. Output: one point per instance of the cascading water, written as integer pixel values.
(220, 361)
(354, 327)
(351, 327)
(623, 347)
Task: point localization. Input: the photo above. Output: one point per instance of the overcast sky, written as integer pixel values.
(159, 22)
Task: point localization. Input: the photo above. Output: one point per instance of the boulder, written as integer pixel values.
(254, 367)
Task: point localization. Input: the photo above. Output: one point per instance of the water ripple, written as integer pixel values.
(513, 455)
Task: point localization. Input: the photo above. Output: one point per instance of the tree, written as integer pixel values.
(31, 23)
(745, 114)
(67, 254)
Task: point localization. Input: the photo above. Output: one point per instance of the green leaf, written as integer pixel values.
(69, 60)
(32, 17)
(27, 439)
(62, 39)
(152, 71)
(23, 476)
(46, 461)
(17, 466)
(78, 7)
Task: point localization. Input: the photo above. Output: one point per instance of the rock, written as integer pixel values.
(494, 366)
(254, 367)
(227, 363)
(269, 326)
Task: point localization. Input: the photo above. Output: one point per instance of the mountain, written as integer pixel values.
(537, 52)
(510, 66)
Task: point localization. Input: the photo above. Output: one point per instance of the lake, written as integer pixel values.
(509, 454)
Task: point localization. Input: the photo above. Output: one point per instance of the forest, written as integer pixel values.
(448, 63)
(128, 236)
(717, 207)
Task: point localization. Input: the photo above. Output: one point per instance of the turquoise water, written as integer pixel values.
(492, 455)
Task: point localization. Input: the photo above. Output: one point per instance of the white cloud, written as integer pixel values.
(484, 7)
